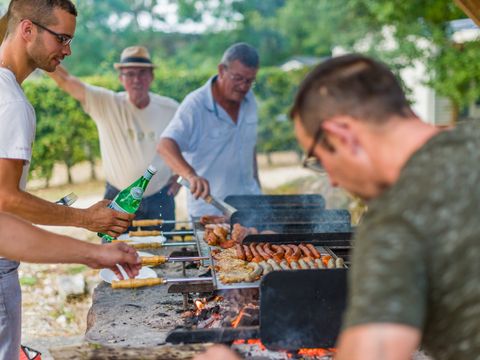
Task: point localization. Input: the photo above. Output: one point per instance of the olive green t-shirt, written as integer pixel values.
(416, 259)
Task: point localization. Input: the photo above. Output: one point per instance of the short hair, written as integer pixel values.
(40, 11)
(353, 85)
(242, 52)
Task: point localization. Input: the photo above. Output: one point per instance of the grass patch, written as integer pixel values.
(28, 281)
(76, 269)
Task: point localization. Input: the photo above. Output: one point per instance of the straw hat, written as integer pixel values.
(134, 56)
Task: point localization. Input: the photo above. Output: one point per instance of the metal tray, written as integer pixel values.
(256, 284)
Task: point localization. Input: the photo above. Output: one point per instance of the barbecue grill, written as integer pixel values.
(298, 308)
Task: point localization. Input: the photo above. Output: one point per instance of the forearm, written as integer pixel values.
(69, 83)
(170, 152)
(39, 211)
(382, 341)
(24, 242)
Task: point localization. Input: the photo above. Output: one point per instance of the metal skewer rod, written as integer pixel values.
(159, 233)
(156, 222)
(155, 245)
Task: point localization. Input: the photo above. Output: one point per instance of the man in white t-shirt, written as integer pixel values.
(38, 35)
(129, 126)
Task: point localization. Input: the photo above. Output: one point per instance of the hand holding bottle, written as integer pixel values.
(100, 218)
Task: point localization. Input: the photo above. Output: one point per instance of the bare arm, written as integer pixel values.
(170, 152)
(13, 200)
(68, 83)
(24, 242)
(378, 341)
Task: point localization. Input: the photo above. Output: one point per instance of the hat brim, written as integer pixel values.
(134, 64)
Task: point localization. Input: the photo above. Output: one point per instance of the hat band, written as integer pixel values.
(135, 60)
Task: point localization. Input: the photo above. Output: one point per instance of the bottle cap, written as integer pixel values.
(152, 169)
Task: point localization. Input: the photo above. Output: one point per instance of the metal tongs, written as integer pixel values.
(225, 208)
(136, 283)
(67, 200)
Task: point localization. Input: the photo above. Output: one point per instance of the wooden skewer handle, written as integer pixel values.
(136, 283)
(140, 246)
(145, 233)
(147, 222)
(153, 260)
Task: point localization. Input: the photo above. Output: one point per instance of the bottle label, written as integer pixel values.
(113, 205)
(137, 193)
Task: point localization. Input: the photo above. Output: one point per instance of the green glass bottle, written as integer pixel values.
(128, 200)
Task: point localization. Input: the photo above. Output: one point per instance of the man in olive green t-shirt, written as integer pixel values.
(415, 268)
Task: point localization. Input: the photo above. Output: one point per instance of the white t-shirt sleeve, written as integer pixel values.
(182, 129)
(17, 130)
(100, 103)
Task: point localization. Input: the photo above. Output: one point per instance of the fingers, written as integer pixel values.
(106, 220)
(218, 352)
(199, 187)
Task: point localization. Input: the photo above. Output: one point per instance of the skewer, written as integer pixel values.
(158, 260)
(159, 233)
(156, 222)
(136, 283)
(155, 245)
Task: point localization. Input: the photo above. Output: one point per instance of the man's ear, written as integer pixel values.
(26, 30)
(339, 130)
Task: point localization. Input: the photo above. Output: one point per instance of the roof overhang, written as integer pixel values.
(471, 8)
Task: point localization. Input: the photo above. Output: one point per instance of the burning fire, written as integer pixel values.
(251, 342)
(237, 320)
(316, 352)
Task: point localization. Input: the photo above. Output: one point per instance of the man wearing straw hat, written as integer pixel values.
(129, 126)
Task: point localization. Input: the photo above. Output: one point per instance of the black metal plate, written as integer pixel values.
(302, 308)
(276, 201)
(330, 239)
(258, 217)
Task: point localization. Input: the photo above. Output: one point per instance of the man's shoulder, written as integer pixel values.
(197, 96)
(163, 101)
(9, 88)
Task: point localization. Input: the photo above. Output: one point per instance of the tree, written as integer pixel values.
(422, 31)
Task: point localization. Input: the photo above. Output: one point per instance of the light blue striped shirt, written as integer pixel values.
(217, 148)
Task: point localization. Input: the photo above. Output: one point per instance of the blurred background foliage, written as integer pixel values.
(188, 37)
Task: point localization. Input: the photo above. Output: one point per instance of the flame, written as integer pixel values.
(237, 320)
(251, 342)
(316, 352)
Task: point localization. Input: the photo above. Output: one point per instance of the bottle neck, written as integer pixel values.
(148, 175)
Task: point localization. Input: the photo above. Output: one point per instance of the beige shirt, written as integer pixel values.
(129, 136)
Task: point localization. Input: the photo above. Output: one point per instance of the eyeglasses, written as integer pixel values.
(135, 74)
(310, 161)
(63, 39)
(239, 79)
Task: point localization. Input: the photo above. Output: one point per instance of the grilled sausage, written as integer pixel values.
(288, 252)
(240, 252)
(319, 264)
(262, 253)
(339, 263)
(256, 271)
(274, 265)
(227, 244)
(305, 250)
(294, 265)
(303, 264)
(267, 248)
(314, 251)
(248, 253)
(310, 262)
(256, 257)
(266, 267)
(284, 265)
(296, 252)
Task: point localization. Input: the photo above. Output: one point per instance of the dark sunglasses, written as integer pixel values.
(310, 161)
(63, 39)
